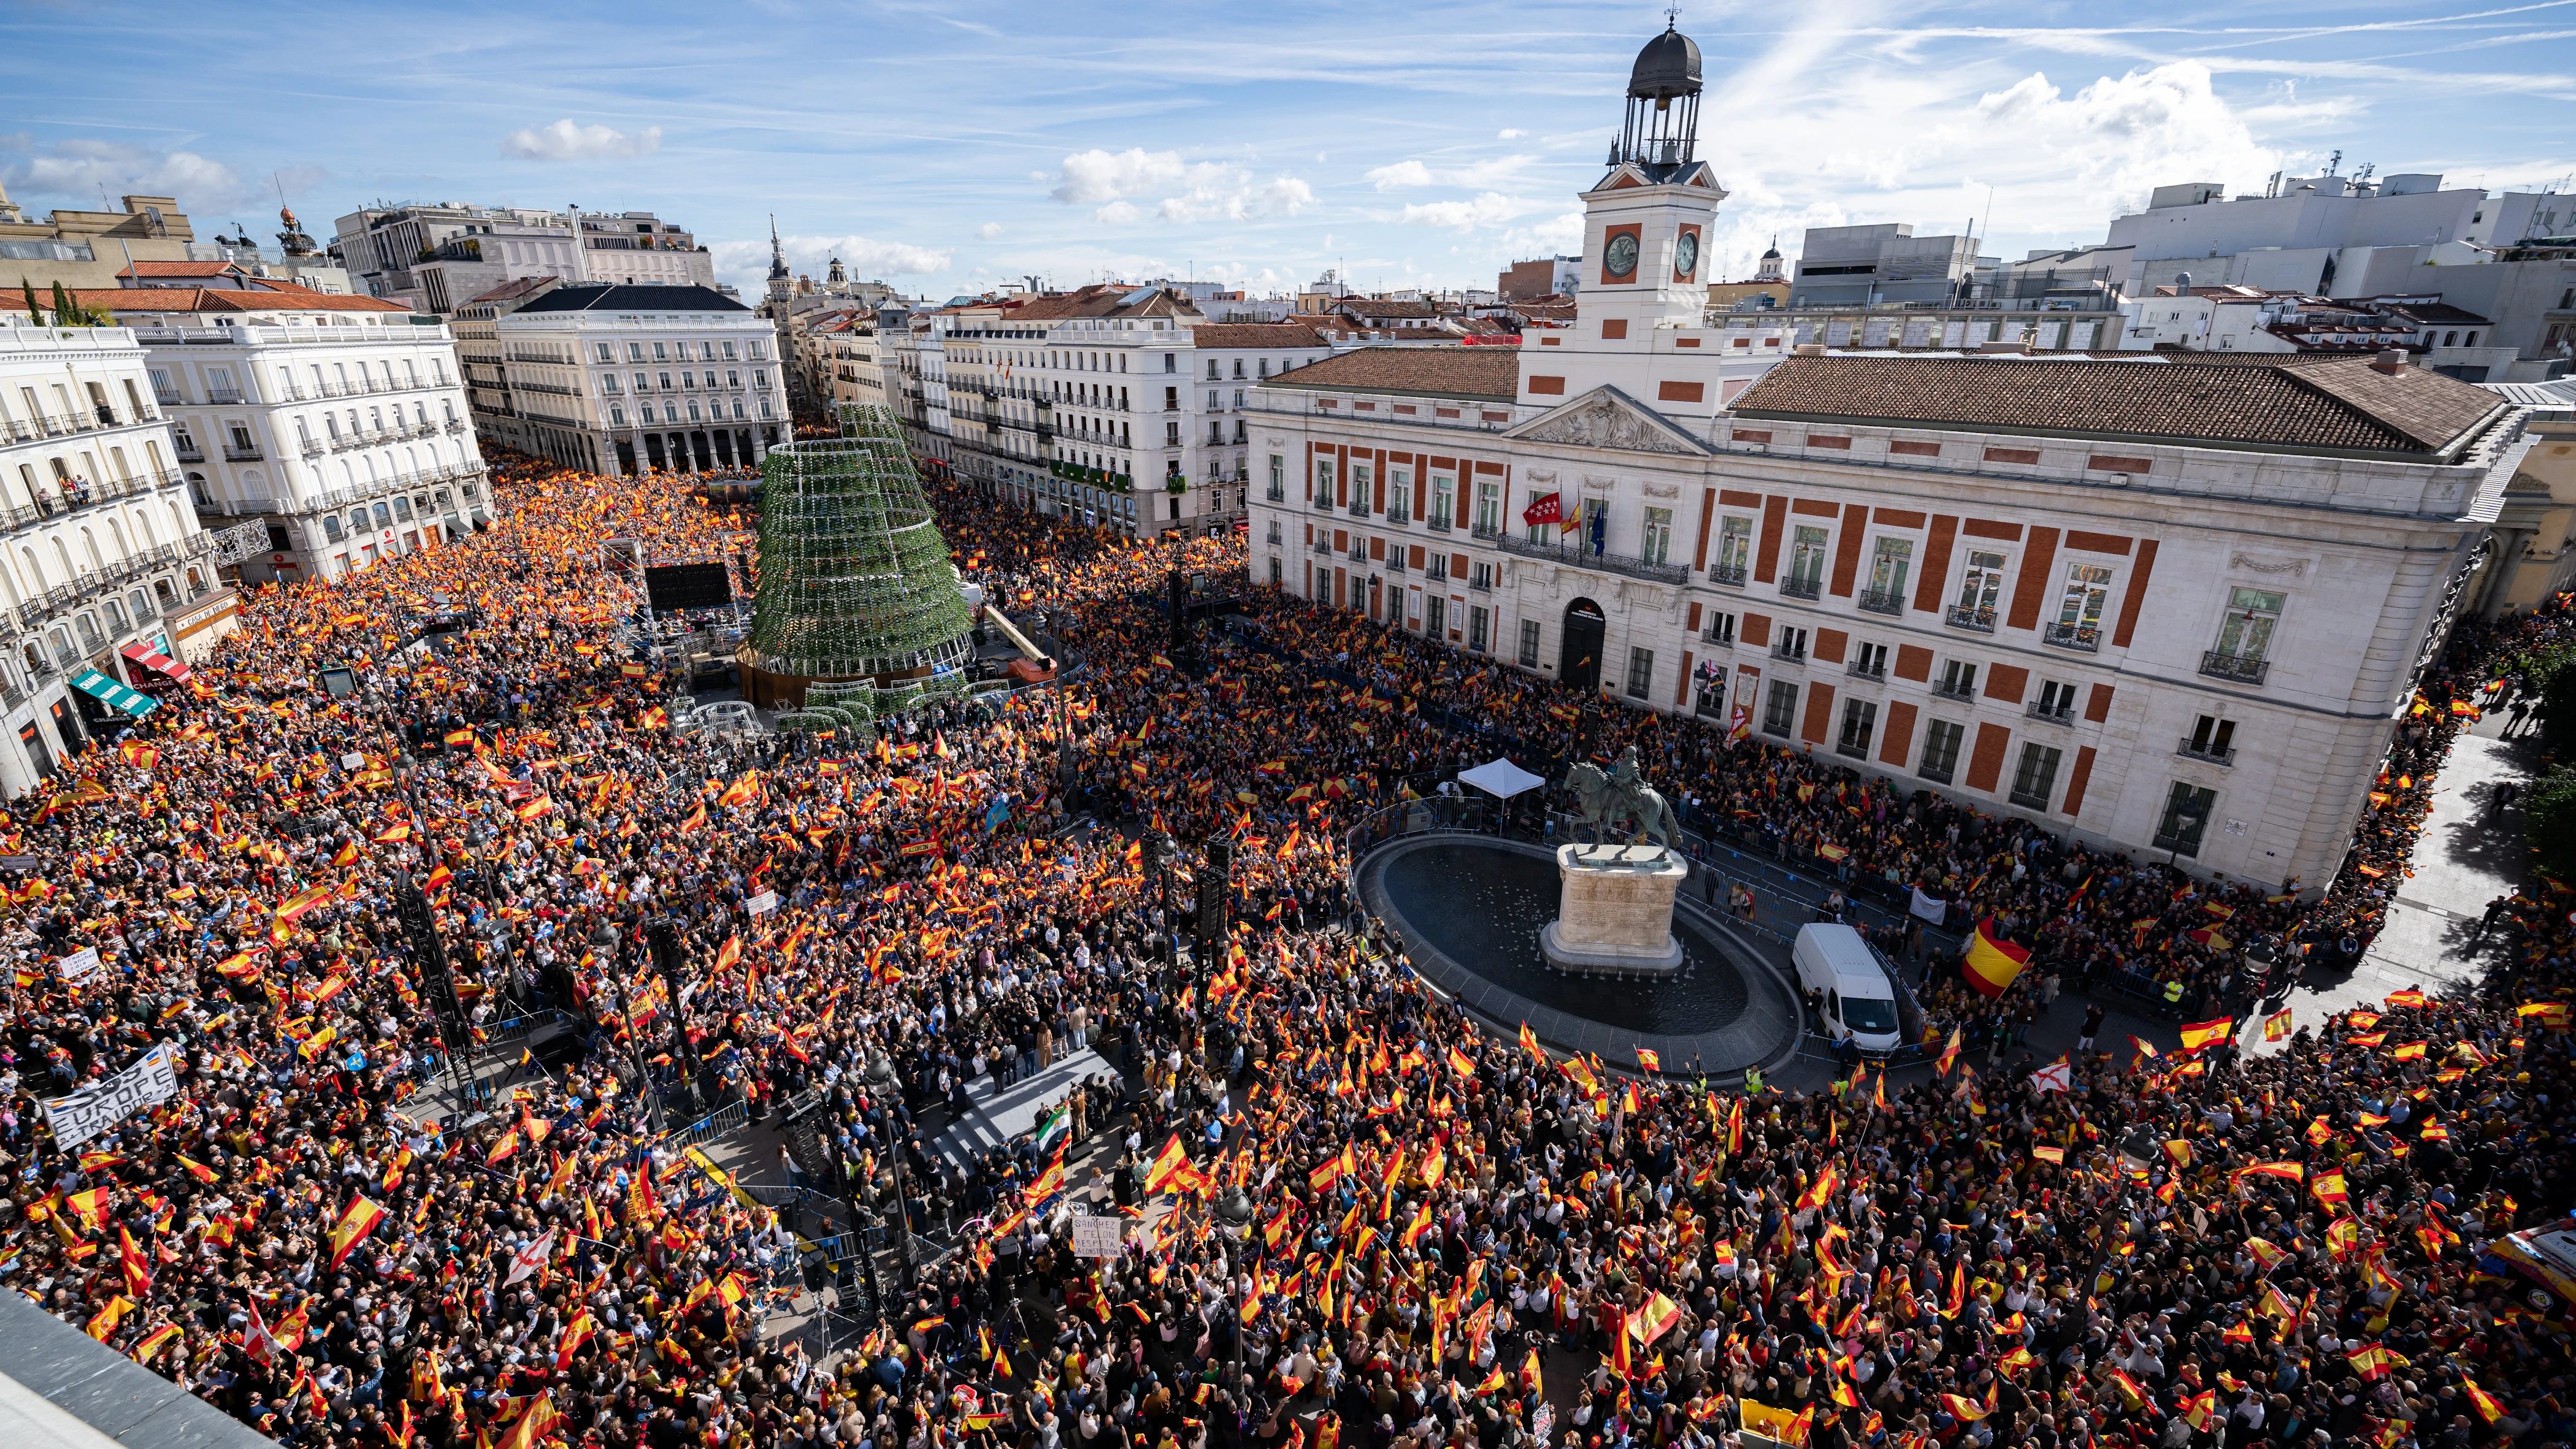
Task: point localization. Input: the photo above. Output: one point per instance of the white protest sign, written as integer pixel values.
(82, 1115)
(79, 966)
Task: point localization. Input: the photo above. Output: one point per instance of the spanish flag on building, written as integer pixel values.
(1992, 964)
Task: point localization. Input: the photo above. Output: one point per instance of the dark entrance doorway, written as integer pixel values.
(1580, 663)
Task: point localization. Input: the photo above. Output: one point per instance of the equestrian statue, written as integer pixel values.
(1622, 796)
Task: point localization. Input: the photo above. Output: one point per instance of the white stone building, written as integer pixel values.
(2174, 603)
(617, 379)
(339, 422)
(1119, 407)
(108, 585)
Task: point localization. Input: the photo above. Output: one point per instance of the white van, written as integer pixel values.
(1858, 1000)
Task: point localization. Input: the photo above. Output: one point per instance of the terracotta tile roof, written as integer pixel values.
(1256, 334)
(1467, 372)
(208, 299)
(182, 269)
(2328, 405)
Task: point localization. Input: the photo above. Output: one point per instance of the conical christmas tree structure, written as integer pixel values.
(855, 581)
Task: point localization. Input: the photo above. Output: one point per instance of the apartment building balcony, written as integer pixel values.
(2084, 638)
(1730, 575)
(2234, 668)
(310, 449)
(1579, 557)
(223, 395)
(1859, 669)
(1323, 545)
(236, 454)
(1798, 588)
(1882, 601)
(1485, 532)
(1437, 523)
(556, 388)
(167, 398)
(1785, 650)
(1963, 690)
(188, 452)
(2209, 754)
(1360, 507)
(2046, 713)
(1976, 621)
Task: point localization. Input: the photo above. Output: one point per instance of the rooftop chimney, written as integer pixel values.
(2392, 361)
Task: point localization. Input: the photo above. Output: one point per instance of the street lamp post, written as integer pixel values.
(882, 1079)
(1235, 1212)
(2182, 826)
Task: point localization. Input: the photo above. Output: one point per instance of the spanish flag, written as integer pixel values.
(355, 1224)
(1992, 964)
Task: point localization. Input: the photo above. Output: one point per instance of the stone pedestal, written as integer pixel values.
(1615, 917)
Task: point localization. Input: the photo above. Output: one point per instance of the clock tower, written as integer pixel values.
(1645, 240)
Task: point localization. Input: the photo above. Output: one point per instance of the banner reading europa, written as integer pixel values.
(76, 1117)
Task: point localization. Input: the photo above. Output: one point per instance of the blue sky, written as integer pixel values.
(950, 147)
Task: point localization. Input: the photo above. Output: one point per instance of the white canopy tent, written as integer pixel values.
(1501, 779)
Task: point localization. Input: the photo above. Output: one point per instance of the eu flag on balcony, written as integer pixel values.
(107, 691)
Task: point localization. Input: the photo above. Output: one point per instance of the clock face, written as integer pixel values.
(1622, 258)
(1686, 254)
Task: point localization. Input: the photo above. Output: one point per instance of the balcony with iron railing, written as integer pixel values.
(223, 395)
(1866, 669)
(2234, 668)
(2085, 638)
(2191, 749)
(167, 398)
(1323, 545)
(1729, 575)
(1882, 601)
(1979, 621)
(236, 453)
(1276, 494)
(1578, 556)
(1485, 532)
(2062, 712)
(1789, 650)
(1360, 506)
(1437, 523)
(1959, 689)
(1794, 587)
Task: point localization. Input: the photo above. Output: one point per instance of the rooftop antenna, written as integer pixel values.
(1990, 213)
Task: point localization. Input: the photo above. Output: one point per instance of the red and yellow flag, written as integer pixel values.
(1993, 963)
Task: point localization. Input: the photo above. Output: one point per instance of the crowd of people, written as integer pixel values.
(1353, 1216)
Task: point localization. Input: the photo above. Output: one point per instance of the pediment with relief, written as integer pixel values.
(1608, 418)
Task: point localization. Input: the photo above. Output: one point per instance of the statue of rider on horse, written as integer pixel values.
(1620, 796)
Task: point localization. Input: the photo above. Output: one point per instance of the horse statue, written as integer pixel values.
(1620, 796)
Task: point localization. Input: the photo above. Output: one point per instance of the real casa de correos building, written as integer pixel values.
(2169, 602)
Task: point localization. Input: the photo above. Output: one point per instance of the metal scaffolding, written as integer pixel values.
(855, 580)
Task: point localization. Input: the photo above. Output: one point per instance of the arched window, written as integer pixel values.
(35, 571)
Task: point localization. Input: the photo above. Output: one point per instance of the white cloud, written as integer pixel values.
(1557, 236)
(988, 231)
(80, 168)
(1113, 182)
(746, 263)
(1490, 208)
(1090, 177)
(1401, 175)
(2119, 139)
(1510, 133)
(1237, 197)
(564, 141)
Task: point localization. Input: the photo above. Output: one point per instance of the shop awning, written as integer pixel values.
(107, 691)
(1500, 778)
(156, 661)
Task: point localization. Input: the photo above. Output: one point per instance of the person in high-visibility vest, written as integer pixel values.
(1752, 1080)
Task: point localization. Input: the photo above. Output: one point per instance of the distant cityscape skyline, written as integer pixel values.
(1426, 149)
